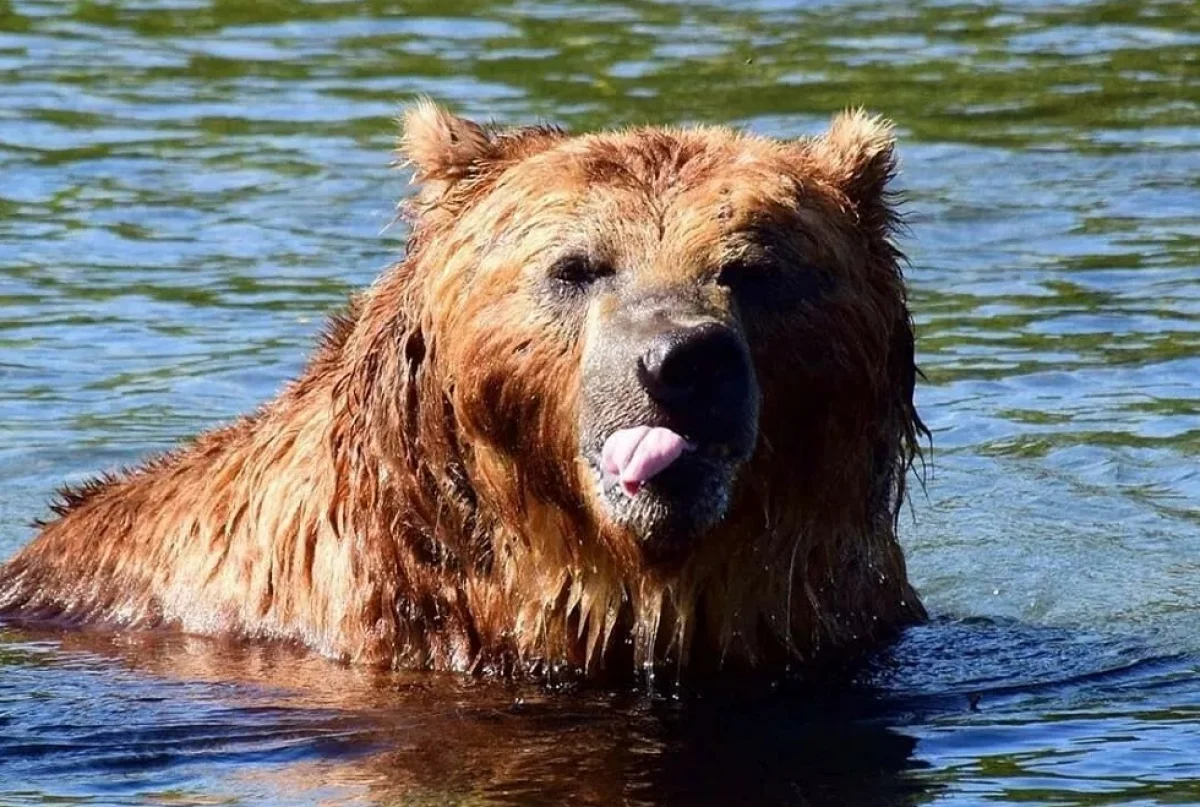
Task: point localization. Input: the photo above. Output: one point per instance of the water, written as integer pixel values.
(186, 185)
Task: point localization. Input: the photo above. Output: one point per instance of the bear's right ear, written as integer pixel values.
(858, 154)
(441, 146)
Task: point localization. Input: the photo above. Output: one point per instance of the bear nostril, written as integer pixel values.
(702, 365)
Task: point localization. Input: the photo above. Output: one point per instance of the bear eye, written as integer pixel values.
(737, 274)
(769, 286)
(578, 272)
(749, 281)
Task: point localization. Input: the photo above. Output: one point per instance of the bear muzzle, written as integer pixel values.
(670, 416)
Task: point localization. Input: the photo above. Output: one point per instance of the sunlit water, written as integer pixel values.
(186, 186)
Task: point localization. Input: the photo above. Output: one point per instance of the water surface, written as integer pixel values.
(187, 185)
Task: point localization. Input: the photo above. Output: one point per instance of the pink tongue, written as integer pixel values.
(636, 455)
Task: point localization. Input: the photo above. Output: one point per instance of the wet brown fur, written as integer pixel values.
(414, 498)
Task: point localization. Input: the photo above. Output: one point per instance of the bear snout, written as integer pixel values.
(670, 415)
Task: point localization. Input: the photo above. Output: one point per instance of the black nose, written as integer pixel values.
(702, 367)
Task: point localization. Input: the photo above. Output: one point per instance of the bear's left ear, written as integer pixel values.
(858, 153)
(441, 146)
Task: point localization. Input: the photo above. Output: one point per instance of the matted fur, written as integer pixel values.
(415, 497)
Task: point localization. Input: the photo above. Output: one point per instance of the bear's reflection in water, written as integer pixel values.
(154, 713)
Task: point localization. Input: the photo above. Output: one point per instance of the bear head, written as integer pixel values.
(652, 376)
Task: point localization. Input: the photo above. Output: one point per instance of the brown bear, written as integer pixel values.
(631, 401)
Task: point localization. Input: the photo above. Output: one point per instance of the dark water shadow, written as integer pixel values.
(139, 716)
(135, 716)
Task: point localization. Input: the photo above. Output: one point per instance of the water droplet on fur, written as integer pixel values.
(648, 676)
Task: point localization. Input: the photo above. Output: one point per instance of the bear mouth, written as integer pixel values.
(665, 489)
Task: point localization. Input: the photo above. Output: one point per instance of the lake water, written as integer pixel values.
(187, 185)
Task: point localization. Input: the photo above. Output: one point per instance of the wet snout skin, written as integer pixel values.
(669, 391)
